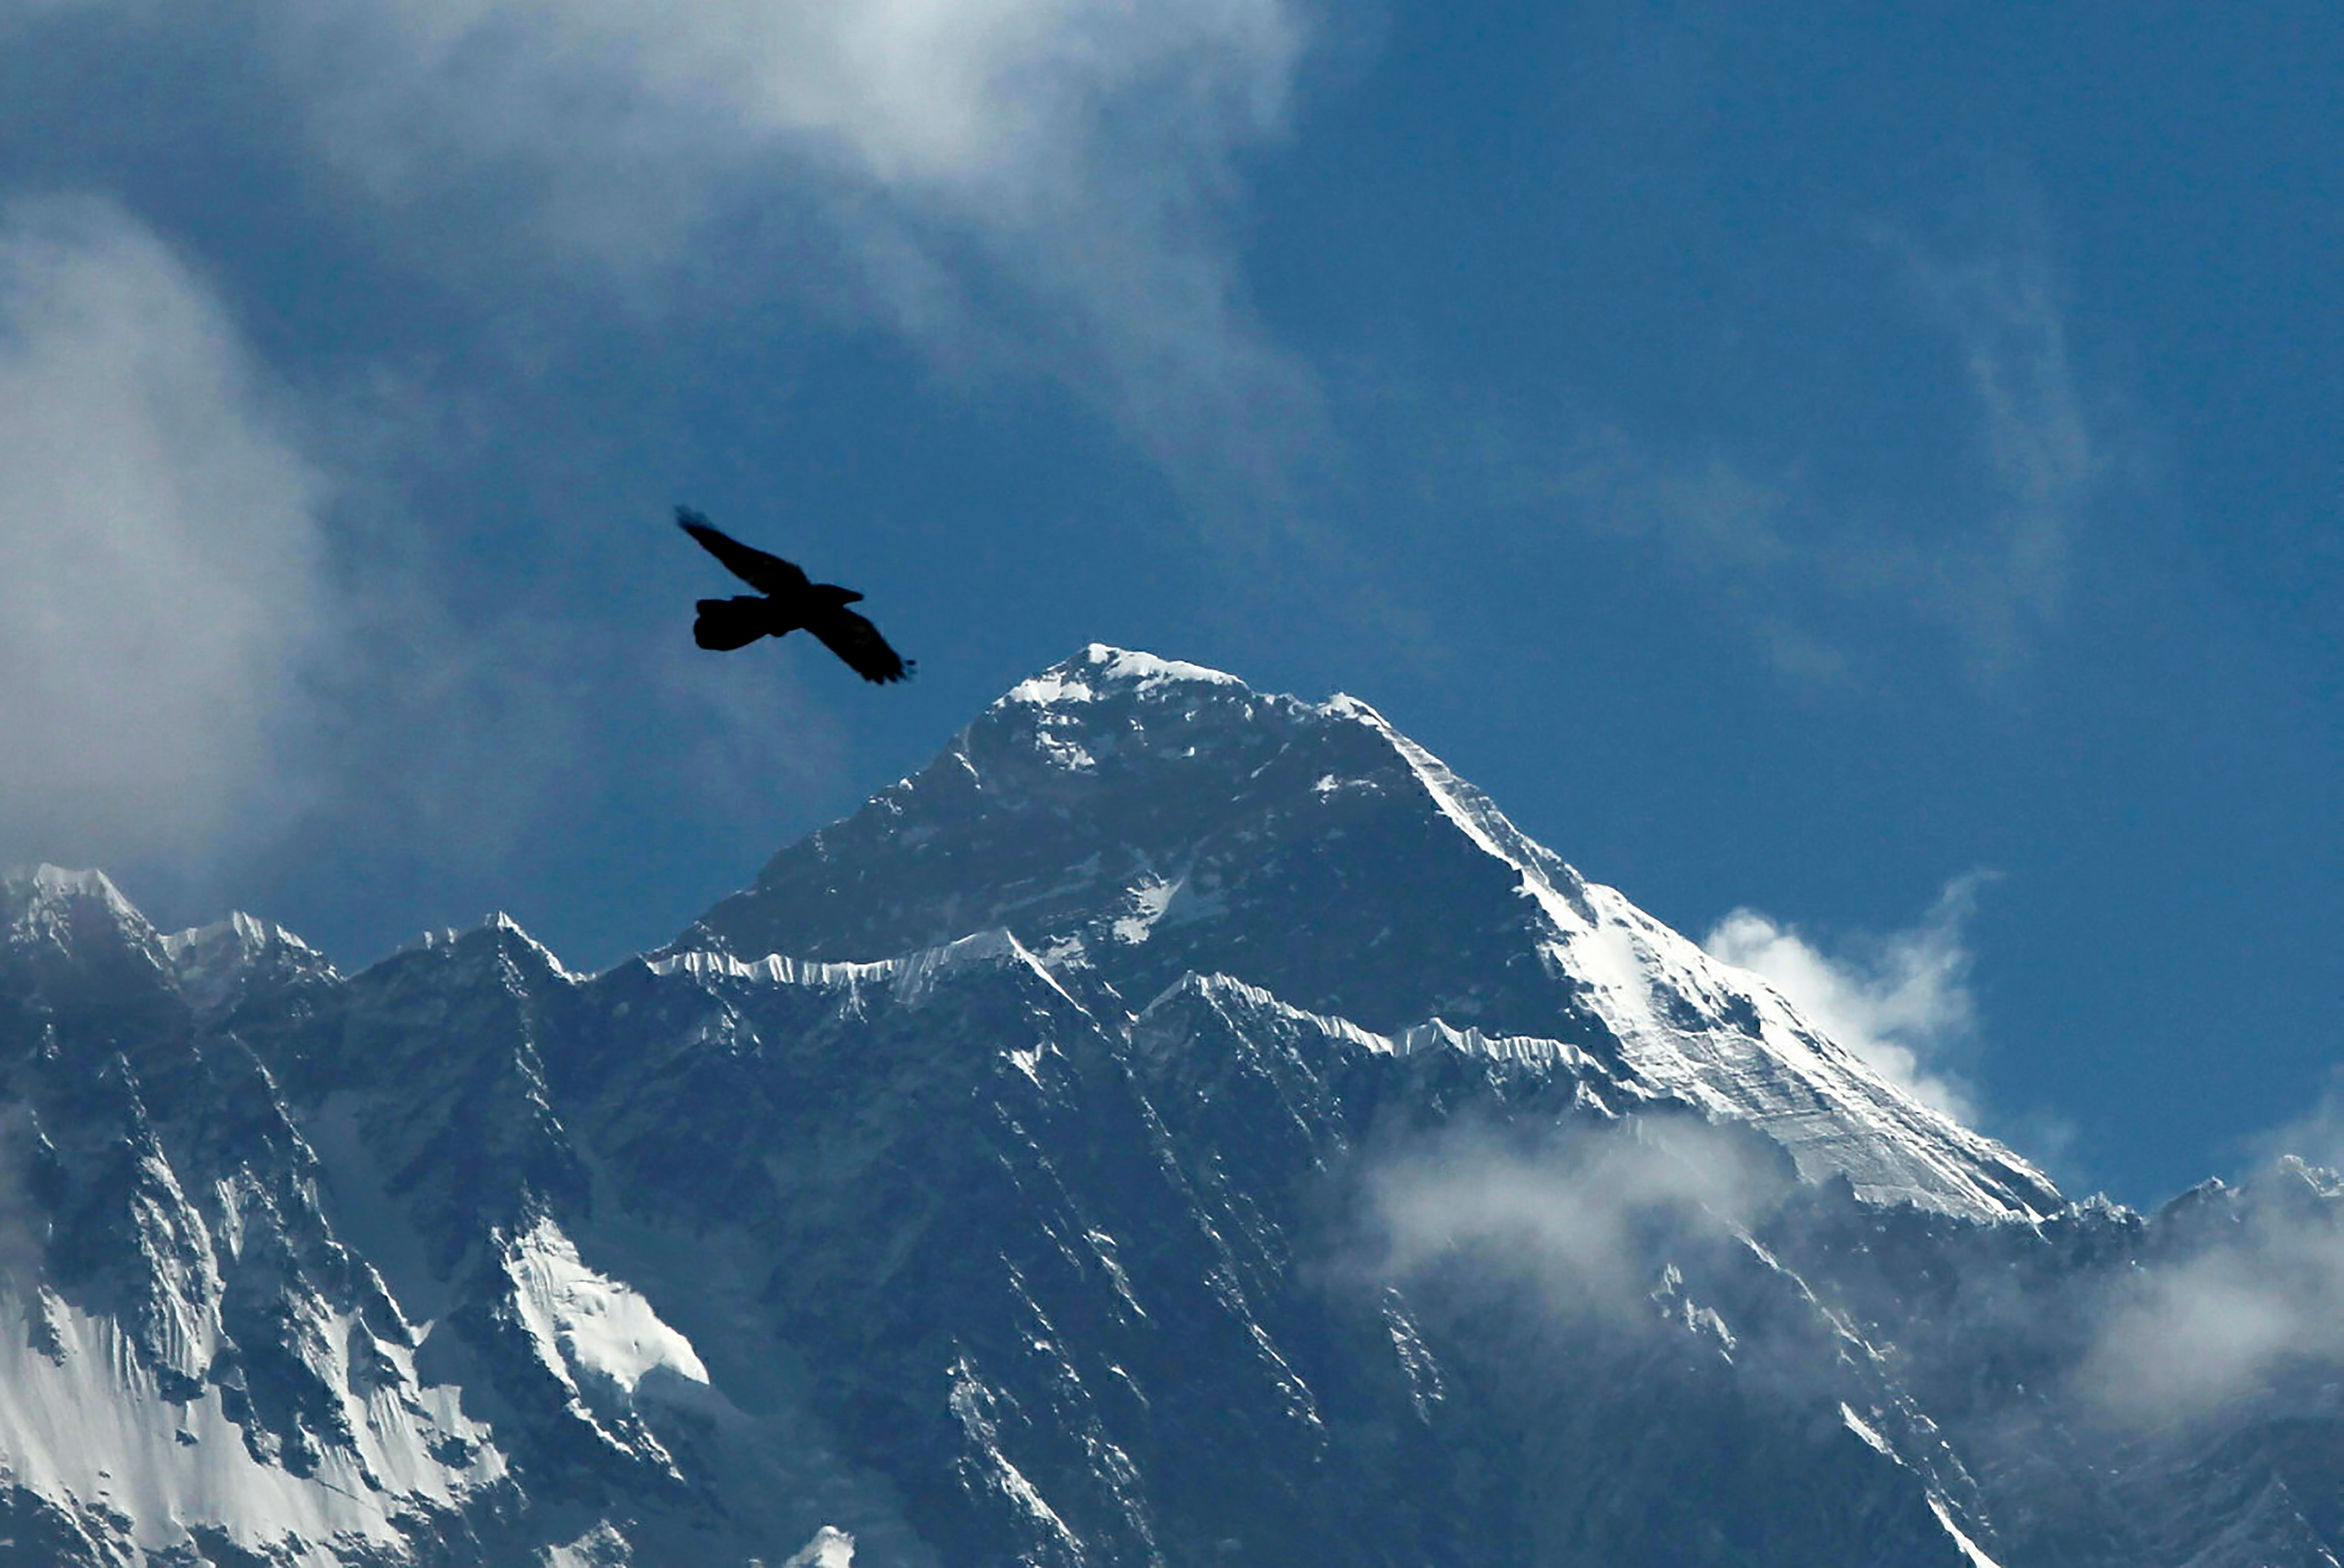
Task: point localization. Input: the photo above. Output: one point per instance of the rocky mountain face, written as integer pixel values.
(1180, 1125)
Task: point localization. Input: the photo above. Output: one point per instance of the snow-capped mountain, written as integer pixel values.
(1181, 1125)
(1153, 819)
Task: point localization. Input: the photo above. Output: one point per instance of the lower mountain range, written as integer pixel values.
(1180, 1125)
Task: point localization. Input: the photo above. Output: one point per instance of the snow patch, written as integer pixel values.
(1065, 754)
(1148, 902)
(1127, 666)
(830, 1548)
(600, 1547)
(587, 1325)
(1048, 689)
(1864, 1430)
(1969, 1547)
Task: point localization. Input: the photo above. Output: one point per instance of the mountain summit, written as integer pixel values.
(1180, 1125)
(1151, 819)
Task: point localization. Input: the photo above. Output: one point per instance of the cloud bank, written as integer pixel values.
(162, 583)
(1902, 1002)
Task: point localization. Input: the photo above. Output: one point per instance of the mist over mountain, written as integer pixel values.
(1180, 1125)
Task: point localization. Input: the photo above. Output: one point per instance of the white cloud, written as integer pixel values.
(2316, 1136)
(1576, 1217)
(2262, 1288)
(1899, 1002)
(187, 685)
(975, 96)
(1034, 183)
(2251, 1285)
(161, 578)
(1019, 187)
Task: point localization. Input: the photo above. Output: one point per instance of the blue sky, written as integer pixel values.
(1878, 476)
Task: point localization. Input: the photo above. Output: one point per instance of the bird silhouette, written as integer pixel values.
(789, 601)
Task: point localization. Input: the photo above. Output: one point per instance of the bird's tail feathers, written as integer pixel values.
(727, 623)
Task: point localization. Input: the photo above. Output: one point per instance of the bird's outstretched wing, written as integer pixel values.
(765, 573)
(856, 641)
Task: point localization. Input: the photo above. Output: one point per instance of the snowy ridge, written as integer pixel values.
(910, 976)
(1472, 812)
(1434, 1034)
(239, 933)
(503, 923)
(1786, 1073)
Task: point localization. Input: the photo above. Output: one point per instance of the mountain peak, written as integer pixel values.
(1101, 668)
(214, 963)
(53, 908)
(28, 889)
(497, 937)
(1152, 819)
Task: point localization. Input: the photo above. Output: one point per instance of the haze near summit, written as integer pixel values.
(1866, 491)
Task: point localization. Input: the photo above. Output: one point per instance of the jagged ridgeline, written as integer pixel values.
(1180, 1125)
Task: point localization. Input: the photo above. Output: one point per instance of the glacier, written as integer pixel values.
(1180, 1125)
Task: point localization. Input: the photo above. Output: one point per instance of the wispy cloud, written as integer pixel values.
(162, 576)
(2317, 1135)
(1975, 543)
(2036, 447)
(1900, 1002)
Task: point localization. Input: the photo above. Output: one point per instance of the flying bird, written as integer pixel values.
(789, 601)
